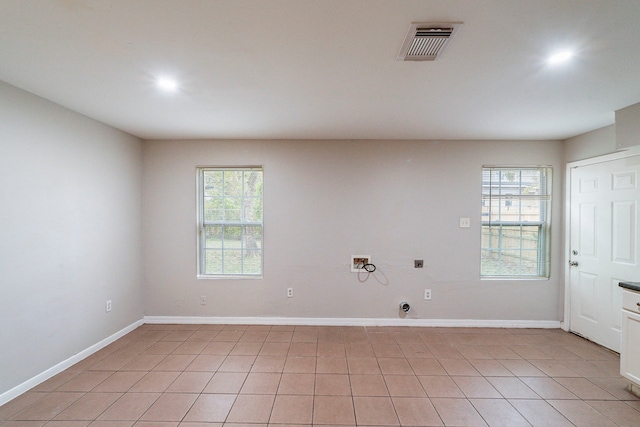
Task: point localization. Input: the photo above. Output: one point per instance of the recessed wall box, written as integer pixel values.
(358, 262)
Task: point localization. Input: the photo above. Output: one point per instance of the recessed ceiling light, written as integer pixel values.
(167, 84)
(560, 57)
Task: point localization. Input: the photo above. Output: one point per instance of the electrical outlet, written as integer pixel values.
(418, 263)
(465, 222)
(289, 292)
(427, 294)
(203, 300)
(107, 306)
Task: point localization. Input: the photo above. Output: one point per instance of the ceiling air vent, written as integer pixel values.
(426, 41)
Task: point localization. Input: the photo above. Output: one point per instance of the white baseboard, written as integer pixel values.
(453, 323)
(54, 370)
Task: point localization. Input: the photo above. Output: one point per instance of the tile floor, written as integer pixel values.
(238, 376)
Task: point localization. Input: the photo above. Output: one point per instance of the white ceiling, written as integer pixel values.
(326, 69)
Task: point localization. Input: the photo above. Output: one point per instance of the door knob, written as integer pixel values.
(573, 263)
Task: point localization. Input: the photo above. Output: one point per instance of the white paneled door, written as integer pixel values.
(604, 246)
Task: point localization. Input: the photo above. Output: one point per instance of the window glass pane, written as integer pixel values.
(230, 220)
(212, 183)
(213, 261)
(529, 262)
(253, 183)
(515, 206)
(253, 249)
(233, 183)
(512, 195)
(213, 210)
(233, 261)
(252, 262)
(252, 237)
(252, 209)
(253, 196)
(232, 209)
(213, 237)
(232, 237)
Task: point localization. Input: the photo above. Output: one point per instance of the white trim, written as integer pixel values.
(326, 321)
(566, 315)
(623, 154)
(65, 364)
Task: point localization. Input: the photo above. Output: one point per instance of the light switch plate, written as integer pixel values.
(465, 222)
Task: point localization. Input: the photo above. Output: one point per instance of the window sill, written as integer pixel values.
(229, 277)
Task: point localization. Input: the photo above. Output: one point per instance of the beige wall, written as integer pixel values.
(591, 144)
(70, 197)
(623, 135)
(325, 200)
(628, 127)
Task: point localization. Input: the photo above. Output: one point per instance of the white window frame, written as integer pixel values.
(498, 199)
(202, 224)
